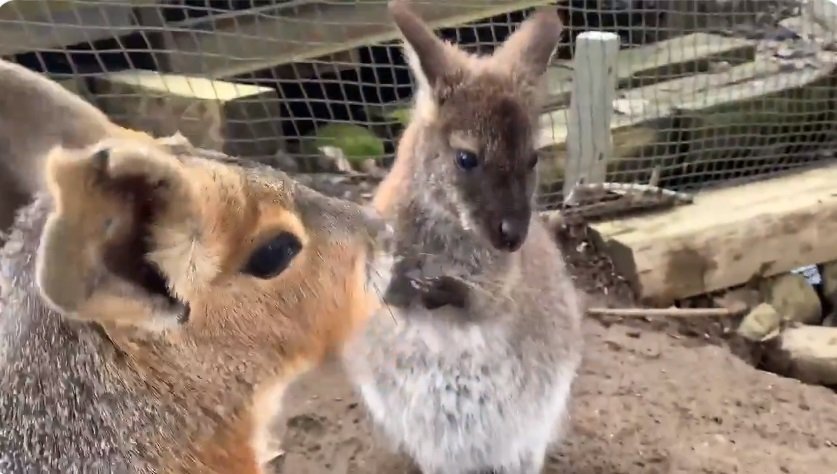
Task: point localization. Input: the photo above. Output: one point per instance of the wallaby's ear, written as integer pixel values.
(92, 260)
(425, 52)
(528, 50)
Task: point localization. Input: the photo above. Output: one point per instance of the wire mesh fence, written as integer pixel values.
(708, 91)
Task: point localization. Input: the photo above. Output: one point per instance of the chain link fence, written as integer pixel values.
(708, 91)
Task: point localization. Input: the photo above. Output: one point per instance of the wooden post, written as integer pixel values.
(591, 106)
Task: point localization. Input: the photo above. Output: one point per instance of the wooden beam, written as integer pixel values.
(658, 62)
(726, 237)
(239, 42)
(637, 67)
(238, 119)
(27, 25)
(649, 120)
(594, 87)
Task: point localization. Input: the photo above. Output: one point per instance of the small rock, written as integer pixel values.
(793, 297)
(739, 300)
(812, 353)
(333, 159)
(285, 162)
(830, 320)
(761, 324)
(370, 167)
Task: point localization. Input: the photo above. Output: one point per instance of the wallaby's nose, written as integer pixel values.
(511, 234)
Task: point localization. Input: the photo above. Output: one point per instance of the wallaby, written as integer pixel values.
(157, 299)
(474, 372)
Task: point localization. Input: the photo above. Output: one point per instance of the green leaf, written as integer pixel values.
(358, 143)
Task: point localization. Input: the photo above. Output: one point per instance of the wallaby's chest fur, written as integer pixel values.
(474, 387)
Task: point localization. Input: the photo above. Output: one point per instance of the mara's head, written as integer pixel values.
(205, 250)
(478, 119)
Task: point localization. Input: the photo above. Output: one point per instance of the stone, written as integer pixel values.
(811, 353)
(761, 324)
(332, 159)
(739, 300)
(370, 167)
(284, 162)
(793, 298)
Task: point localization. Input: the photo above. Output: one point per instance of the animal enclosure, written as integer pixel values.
(719, 114)
(704, 91)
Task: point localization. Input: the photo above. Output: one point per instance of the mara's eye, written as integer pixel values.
(273, 257)
(466, 160)
(533, 161)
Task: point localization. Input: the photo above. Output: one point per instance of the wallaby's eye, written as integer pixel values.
(273, 257)
(466, 160)
(533, 161)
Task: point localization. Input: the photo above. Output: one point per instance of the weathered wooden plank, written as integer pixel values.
(638, 67)
(27, 25)
(649, 120)
(237, 43)
(238, 119)
(658, 62)
(755, 126)
(726, 237)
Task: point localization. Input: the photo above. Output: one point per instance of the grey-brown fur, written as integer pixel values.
(483, 388)
(52, 369)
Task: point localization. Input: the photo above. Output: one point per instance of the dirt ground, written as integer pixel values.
(651, 397)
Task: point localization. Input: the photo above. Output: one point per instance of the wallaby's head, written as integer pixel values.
(209, 252)
(478, 118)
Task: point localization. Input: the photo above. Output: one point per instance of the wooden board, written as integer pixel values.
(238, 119)
(27, 25)
(240, 42)
(726, 237)
(637, 67)
(649, 121)
(658, 62)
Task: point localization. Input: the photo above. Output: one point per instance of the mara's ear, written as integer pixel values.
(528, 50)
(426, 53)
(92, 260)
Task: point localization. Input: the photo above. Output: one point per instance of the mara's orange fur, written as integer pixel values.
(171, 252)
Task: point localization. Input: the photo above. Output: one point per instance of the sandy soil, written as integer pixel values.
(651, 397)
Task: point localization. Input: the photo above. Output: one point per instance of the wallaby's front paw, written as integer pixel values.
(444, 291)
(414, 282)
(402, 290)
